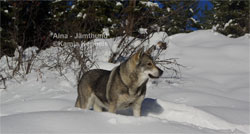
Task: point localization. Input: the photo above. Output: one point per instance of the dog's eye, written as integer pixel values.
(149, 64)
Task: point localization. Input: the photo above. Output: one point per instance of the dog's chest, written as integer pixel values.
(125, 100)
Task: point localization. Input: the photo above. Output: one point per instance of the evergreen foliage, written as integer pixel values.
(231, 17)
(30, 23)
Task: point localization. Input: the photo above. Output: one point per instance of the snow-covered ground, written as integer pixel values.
(212, 95)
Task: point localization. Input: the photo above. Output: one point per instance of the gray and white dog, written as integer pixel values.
(121, 88)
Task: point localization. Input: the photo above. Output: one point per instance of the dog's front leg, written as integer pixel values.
(112, 107)
(137, 106)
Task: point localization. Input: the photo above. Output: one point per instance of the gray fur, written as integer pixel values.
(121, 88)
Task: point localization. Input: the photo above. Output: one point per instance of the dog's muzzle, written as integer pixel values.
(160, 72)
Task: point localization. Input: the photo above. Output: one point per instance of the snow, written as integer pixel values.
(193, 19)
(118, 4)
(211, 96)
(27, 54)
(109, 20)
(79, 15)
(142, 30)
(228, 23)
(72, 122)
(105, 31)
(149, 3)
(191, 10)
(168, 9)
(84, 16)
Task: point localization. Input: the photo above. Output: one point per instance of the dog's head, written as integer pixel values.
(145, 65)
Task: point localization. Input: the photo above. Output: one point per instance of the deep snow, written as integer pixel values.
(211, 96)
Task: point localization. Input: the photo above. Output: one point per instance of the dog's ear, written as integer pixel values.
(150, 50)
(139, 54)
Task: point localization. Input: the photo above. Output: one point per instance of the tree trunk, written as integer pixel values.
(130, 20)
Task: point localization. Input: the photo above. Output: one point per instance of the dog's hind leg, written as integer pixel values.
(82, 102)
(90, 101)
(77, 104)
(97, 108)
(85, 99)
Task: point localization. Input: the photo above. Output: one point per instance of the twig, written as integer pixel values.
(4, 84)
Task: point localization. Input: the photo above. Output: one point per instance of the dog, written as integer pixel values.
(121, 88)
